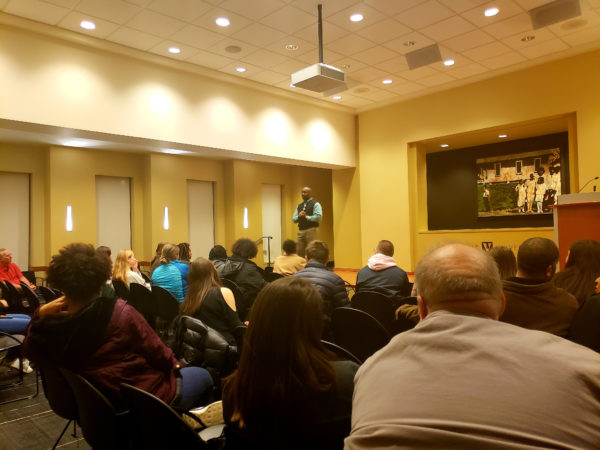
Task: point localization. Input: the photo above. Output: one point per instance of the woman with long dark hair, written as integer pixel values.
(208, 301)
(581, 270)
(286, 380)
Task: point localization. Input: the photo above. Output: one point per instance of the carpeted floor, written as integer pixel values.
(31, 424)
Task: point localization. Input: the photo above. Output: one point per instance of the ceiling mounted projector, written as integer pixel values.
(320, 77)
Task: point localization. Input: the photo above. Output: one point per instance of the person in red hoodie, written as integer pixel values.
(105, 340)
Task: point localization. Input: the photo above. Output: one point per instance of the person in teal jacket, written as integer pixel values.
(167, 275)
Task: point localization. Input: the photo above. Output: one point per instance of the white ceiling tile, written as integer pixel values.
(69, 4)
(331, 33)
(353, 101)
(289, 19)
(329, 6)
(237, 22)
(508, 9)
(348, 65)
(424, 14)
(350, 44)
(520, 23)
(250, 69)
(376, 55)
(392, 7)
(436, 80)
(279, 46)
(394, 65)
(545, 48)
(258, 34)
(468, 70)
(530, 4)
(419, 40)
(416, 74)
(507, 59)
(255, 10)
(156, 24)
(384, 30)
(290, 66)
(468, 40)
(368, 74)
(268, 77)
(371, 92)
(447, 28)
(460, 6)
(487, 51)
(312, 57)
(187, 10)
(583, 37)
(211, 60)
(264, 58)
(516, 42)
(588, 19)
(342, 18)
(162, 49)
(406, 87)
(36, 10)
(115, 11)
(134, 38)
(142, 3)
(3, 4)
(197, 37)
(73, 20)
(221, 46)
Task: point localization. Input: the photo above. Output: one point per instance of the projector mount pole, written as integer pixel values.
(319, 8)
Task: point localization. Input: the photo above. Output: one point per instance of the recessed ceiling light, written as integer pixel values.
(356, 17)
(449, 62)
(444, 145)
(174, 151)
(241, 69)
(222, 22)
(529, 37)
(291, 47)
(490, 12)
(345, 66)
(501, 136)
(387, 81)
(174, 50)
(337, 97)
(409, 43)
(87, 25)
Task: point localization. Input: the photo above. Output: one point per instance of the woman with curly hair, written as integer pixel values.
(581, 270)
(126, 269)
(208, 301)
(105, 340)
(286, 380)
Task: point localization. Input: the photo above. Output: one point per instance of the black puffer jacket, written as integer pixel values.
(247, 275)
(330, 286)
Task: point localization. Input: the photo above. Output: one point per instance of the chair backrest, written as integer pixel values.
(358, 332)
(30, 275)
(141, 299)
(240, 301)
(47, 293)
(410, 300)
(32, 298)
(341, 353)
(17, 302)
(268, 269)
(377, 305)
(157, 425)
(102, 426)
(584, 327)
(58, 392)
(121, 289)
(271, 276)
(167, 306)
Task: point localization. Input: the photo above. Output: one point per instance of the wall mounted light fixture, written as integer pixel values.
(166, 218)
(69, 221)
(246, 218)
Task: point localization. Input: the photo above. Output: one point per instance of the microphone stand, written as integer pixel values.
(589, 181)
(268, 238)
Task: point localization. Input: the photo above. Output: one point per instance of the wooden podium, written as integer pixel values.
(576, 216)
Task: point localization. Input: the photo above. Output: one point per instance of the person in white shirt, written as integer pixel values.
(126, 269)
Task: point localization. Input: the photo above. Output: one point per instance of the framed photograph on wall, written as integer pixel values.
(520, 183)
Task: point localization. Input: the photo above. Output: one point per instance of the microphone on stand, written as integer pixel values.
(589, 181)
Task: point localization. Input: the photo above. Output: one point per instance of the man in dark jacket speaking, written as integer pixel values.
(307, 215)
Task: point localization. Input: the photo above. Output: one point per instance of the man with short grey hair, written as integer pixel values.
(462, 379)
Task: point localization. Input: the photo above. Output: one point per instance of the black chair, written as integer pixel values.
(350, 289)
(166, 309)
(141, 299)
(47, 293)
(32, 297)
(341, 353)
(30, 275)
(60, 398)
(158, 426)
(358, 332)
(10, 344)
(377, 305)
(271, 276)
(238, 333)
(121, 289)
(17, 302)
(584, 327)
(410, 300)
(240, 301)
(102, 426)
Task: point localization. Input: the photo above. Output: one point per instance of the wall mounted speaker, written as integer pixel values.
(423, 56)
(554, 12)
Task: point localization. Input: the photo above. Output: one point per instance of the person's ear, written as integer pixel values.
(503, 306)
(550, 271)
(423, 311)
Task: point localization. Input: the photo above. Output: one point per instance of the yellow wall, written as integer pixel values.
(392, 170)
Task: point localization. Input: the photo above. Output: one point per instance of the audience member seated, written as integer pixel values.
(15, 324)
(185, 252)
(126, 269)
(105, 340)
(331, 287)
(382, 274)
(532, 300)
(217, 253)
(208, 301)
(184, 270)
(286, 381)
(243, 272)
(581, 269)
(167, 275)
(108, 289)
(157, 254)
(505, 260)
(10, 272)
(462, 379)
(288, 263)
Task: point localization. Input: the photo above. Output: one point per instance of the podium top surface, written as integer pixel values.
(583, 197)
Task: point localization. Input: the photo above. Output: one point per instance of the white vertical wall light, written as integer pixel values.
(69, 221)
(246, 218)
(166, 218)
